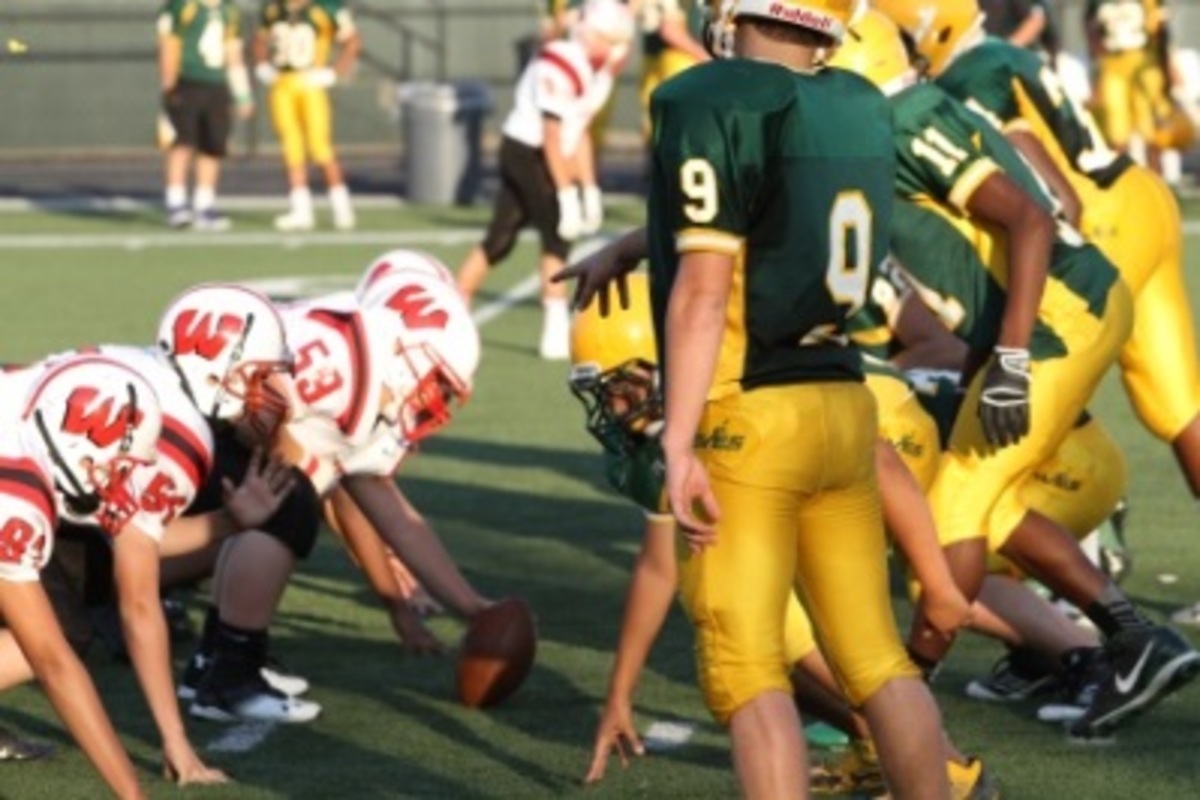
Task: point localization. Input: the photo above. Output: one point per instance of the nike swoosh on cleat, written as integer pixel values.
(1125, 683)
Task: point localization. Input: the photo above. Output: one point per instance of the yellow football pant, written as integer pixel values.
(1130, 88)
(977, 489)
(1135, 222)
(303, 121)
(792, 468)
(907, 426)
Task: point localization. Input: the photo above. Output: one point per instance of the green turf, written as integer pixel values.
(515, 489)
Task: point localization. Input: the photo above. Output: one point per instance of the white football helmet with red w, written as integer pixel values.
(224, 341)
(436, 347)
(97, 420)
(398, 263)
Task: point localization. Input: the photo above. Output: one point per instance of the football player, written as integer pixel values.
(200, 66)
(672, 31)
(547, 176)
(294, 56)
(1058, 322)
(746, 373)
(69, 445)
(1127, 210)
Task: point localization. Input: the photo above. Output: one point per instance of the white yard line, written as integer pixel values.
(243, 737)
(182, 239)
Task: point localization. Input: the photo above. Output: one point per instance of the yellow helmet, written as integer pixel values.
(937, 27)
(872, 48)
(829, 17)
(614, 369)
(1174, 129)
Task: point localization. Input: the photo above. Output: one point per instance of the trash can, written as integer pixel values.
(443, 140)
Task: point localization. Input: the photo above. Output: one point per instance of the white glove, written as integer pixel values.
(593, 210)
(266, 73)
(570, 214)
(321, 77)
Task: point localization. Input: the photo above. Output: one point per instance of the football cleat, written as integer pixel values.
(294, 221)
(210, 221)
(179, 217)
(193, 674)
(279, 678)
(252, 700)
(1147, 665)
(14, 748)
(971, 781)
(856, 771)
(1085, 669)
(555, 344)
(1017, 676)
(1189, 616)
(344, 219)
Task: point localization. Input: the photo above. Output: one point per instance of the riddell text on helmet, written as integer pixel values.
(800, 16)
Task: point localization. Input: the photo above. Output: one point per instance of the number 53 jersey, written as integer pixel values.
(791, 175)
(344, 413)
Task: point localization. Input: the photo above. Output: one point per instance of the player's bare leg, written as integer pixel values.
(300, 206)
(471, 274)
(1186, 447)
(1009, 611)
(556, 320)
(769, 751)
(904, 719)
(179, 214)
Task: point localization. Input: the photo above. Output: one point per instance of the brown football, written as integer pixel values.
(497, 653)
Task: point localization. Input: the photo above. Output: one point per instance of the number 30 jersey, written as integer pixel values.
(791, 175)
(303, 39)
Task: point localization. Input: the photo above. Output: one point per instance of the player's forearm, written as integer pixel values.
(149, 649)
(170, 53)
(1045, 166)
(347, 56)
(646, 605)
(1028, 265)
(557, 163)
(907, 517)
(695, 325)
(1030, 29)
(73, 695)
(367, 549)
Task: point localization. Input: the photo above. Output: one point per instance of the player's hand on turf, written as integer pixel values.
(692, 500)
(1004, 402)
(182, 766)
(267, 483)
(945, 610)
(596, 276)
(616, 731)
(415, 638)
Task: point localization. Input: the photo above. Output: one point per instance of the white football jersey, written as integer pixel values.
(185, 446)
(27, 504)
(561, 83)
(337, 420)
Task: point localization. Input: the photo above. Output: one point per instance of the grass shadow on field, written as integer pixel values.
(586, 467)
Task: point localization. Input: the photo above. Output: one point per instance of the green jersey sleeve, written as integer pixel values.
(939, 149)
(710, 158)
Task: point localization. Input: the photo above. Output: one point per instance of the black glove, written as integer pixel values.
(1004, 402)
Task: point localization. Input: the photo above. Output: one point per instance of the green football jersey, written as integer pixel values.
(944, 152)
(944, 270)
(791, 175)
(870, 328)
(1007, 84)
(638, 471)
(205, 29)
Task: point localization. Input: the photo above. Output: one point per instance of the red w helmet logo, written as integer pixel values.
(413, 305)
(197, 334)
(99, 423)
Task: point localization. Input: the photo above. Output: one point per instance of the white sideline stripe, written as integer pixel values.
(179, 239)
(262, 202)
(242, 737)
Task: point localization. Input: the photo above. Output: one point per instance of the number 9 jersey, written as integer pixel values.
(793, 178)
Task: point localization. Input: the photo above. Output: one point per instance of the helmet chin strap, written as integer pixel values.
(78, 499)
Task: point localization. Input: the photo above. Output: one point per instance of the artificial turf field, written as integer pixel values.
(515, 489)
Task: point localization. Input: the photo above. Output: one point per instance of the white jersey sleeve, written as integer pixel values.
(559, 83)
(27, 507)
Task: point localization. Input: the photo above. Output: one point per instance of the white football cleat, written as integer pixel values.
(294, 221)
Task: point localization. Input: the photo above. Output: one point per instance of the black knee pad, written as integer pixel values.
(64, 579)
(297, 520)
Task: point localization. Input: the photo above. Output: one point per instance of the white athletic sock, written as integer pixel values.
(176, 196)
(301, 201)
(204, 198)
